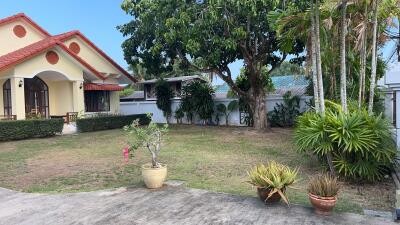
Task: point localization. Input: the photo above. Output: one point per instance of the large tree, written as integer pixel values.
(208, 36)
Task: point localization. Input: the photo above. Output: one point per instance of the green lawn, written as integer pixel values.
(213, 158)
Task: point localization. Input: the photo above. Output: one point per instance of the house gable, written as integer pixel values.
(63, 65)
(88, 51)
(17, 32)
(21, 40)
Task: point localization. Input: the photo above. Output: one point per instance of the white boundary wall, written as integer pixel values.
(139, 107)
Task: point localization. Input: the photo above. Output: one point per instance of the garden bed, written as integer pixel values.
(213, 158)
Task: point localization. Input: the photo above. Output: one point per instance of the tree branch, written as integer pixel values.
(278, 64)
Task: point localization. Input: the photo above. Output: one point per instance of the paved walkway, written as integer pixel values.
(170, 205)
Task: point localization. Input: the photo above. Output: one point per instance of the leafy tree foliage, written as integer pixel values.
(288, 68)
(127, 91)
(164, 95)
(207, 36)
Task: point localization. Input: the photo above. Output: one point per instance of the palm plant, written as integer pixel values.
(222, 109)
(374, 57)
(343, 78)
(361, 144)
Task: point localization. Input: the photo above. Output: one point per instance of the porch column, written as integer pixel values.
(18, 97)
(78, 97)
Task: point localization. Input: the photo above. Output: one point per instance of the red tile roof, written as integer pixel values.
(27, 19)
(70, 34)
(36, 48)
(25, 53)
(102, 87)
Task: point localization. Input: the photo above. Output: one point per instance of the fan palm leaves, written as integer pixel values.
(361, 145)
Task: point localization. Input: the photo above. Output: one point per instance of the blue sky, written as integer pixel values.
(97, 19)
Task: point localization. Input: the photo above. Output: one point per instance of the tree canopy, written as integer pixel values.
(207, 36)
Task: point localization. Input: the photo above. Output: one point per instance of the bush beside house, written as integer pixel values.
(105, 122)
(23, 129)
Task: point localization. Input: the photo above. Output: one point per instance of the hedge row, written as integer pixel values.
(107, 122)
(23, 129)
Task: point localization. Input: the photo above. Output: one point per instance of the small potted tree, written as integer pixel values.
(322, 192)
(148, 137)
(271, 181)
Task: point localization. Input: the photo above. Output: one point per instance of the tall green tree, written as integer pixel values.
(208, 36)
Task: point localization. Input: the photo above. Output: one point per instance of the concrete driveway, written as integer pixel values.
(170, 205)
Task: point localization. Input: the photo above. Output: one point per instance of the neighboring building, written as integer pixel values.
(176, 84)
(137, 103)
(135, 96)
(391, 88)
(296, 84)
(51, 75)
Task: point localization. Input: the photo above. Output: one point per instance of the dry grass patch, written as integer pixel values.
(213, 158)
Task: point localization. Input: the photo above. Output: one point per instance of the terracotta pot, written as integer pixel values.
(154, 177)
(263, 194)
(322, 205)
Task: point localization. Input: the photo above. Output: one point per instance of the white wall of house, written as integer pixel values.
(392, 84)
(139, 107)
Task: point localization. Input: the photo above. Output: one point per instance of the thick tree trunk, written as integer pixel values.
(343, 85)
(374, 60)
(258, 109)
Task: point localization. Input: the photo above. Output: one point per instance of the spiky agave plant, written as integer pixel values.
(273, 176)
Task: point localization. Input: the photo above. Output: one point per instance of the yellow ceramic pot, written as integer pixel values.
(154, 177)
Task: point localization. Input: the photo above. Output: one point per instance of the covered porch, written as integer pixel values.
(47, 94)
(50, 94)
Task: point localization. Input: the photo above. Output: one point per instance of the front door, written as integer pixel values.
(36, 98)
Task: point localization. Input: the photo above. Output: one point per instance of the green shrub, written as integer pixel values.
(361, 145)
(127, 91)
(179, 114)
(106, 122)
(24, 129)
(197, 98)
(285, 114)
